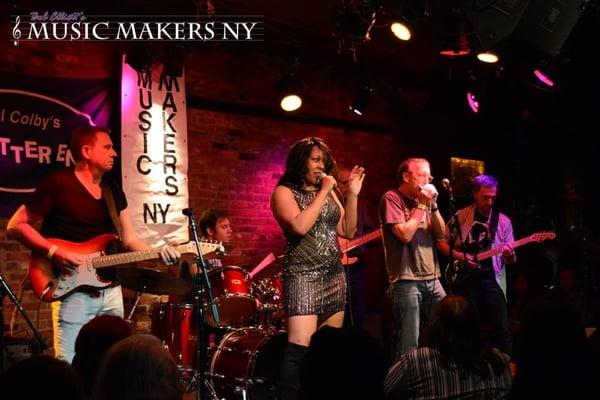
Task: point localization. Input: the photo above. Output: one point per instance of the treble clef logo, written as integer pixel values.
(16, 32)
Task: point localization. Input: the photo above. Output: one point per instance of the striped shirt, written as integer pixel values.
(420, 375)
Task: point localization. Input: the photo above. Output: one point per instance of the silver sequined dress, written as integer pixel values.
(313, 276)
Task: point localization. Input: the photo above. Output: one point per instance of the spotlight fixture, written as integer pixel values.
(360, 103)
(473, 101)
(543, 77)
(139, 57)
(289, 88)
(475, 92)
(401, 30)
(454, 39)
(487, 57)
(174, 56)
(546, 74)
(291, 102)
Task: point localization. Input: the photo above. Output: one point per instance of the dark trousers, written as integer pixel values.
(482, 290)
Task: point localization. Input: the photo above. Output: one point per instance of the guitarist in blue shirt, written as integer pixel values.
(475, 229)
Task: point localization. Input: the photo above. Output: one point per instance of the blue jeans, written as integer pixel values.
(70, 314)
(412, 305)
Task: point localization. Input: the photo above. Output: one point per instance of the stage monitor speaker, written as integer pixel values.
(18, 349)
(493, 21)
(546, 24)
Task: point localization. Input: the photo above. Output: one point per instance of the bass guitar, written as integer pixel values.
(50, 285)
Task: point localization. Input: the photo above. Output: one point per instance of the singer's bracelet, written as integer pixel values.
(434, 209)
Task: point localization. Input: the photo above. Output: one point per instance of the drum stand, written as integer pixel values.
(202, 289)
(6, 291)
(138, 296)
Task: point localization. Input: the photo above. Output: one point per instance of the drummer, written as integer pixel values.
(214, 225)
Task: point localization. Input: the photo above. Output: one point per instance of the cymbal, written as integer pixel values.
(153, 282)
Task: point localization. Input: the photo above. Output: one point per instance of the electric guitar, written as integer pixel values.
(456, 266)
(48, 285)
(347, 245)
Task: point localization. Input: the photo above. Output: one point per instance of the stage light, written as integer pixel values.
(473, 101)
(291, 102)
(542, 77)
(361, 101)
(487, 57)
(139, 57)
(401, 30)
(174, 60)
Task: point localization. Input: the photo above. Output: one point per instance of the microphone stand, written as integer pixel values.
(201, 286)
(451, 226)
(5, 290)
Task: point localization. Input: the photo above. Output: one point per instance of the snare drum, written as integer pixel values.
(246, 364)
(232, 293)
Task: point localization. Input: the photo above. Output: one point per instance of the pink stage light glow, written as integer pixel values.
(473, 102)
(545, 79)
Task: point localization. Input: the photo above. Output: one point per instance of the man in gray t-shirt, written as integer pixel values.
(411, 225)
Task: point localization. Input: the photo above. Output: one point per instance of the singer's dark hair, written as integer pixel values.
(209, 219)
(487, 181)
(405, 165)
(295, 164)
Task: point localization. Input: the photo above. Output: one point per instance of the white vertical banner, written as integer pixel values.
(154, 154)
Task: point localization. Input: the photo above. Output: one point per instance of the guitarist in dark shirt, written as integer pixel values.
(477, 228)
(73, 205)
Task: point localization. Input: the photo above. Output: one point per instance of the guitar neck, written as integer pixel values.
(125, 258)
(134, 256)
(352, 244)
(497, 250)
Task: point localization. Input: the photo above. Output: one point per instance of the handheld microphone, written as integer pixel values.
(188, 212)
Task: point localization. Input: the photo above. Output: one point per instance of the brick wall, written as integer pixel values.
(235, 158)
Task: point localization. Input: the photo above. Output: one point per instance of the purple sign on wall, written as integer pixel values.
(37, 116)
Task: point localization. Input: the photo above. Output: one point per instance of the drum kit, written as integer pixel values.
(244, 349)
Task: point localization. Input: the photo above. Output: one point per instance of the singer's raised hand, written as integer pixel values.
(357, 176)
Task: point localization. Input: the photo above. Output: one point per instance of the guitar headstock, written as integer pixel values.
(541, 236)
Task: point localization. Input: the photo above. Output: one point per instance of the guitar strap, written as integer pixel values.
(494, 225)
(109, 199)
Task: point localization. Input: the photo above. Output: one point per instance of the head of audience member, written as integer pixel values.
(553, 361)
(92, 343)
(485, 189)
(215, 225)
(455, 332)
(567, 281)
(307, 160)
(412, 175)
(41, 377)
(138, 368)
(342, 364)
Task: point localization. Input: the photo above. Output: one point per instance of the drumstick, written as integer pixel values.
(263, 264)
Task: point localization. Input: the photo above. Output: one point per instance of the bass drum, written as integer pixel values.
(246, 364)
